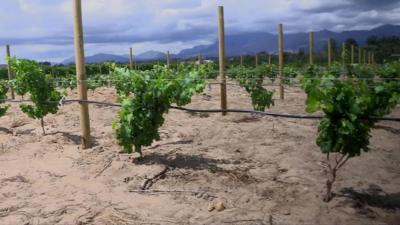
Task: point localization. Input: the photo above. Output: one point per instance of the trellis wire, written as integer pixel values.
(63, 101)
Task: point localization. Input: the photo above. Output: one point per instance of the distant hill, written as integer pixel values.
(150, 55)
(253, 42)
(100, 58)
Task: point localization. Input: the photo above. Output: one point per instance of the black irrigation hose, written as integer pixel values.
(282, 115)
(90, 102)
(394, 119)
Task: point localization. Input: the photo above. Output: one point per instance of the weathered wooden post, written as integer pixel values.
(311, 46)
(344, 53)
(256, 59)
(373, 58)
(329, 52)
(130, 59)
(168, 59)
(365, 56)
(81, 74)
(369, 58)
(241, 60)
(352, 54)
(359, 55)
(135, 65)
(281, 75)
(221, 43)
(9, 70)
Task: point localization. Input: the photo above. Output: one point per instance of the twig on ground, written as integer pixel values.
(243, 221)
(106, 166)
(155, 191)
(150, 181)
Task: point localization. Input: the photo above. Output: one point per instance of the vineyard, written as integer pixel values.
(186, 143)
(242, 158)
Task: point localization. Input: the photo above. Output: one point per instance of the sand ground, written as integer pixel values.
(264, 170)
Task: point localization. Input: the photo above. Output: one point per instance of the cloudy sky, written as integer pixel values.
(42, 29)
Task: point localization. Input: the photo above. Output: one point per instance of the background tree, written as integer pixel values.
(384, 48)
(351, 41)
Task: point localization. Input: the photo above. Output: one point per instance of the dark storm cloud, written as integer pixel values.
(323, 15)
(328, 8)
(178, 24)
(53, 40)
(375, 4)
(98, 35)
(354, 6)
(336, 16)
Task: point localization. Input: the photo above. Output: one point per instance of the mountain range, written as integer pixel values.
(250, 43)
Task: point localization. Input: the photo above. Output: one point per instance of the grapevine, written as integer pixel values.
(347, 104)
(3, 96)
(252, 80)
(148, 98)
(31, 79)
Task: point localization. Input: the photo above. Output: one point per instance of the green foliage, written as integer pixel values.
(384, 48)
(345, 54)
(122, 81)
(58, 71)
(31, 79)
(351, 41)
(290, 73)
(336, 70)
(271, 72)
(252, 80)
(3, 73)
(97, 80)
(69, 82)
(389, 70)
(361, 71)
(3, 96)
(148, 96)
(347, 105)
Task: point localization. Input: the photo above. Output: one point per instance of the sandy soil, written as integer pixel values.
(264, 170)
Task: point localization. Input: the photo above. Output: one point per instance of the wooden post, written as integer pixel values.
(359, 55)
(344, 53)
(369, 58)
(281, 75)
(311, 45)
(365, 56)
(352, 54)
(241, 60)
(269, 59)
(373, 58)
(256, 59)
(135, 63)
(81, 74)
(135, 66)
(10, 73)
(329, 52)
(221, 42)
(130, 59)
(168, 59)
